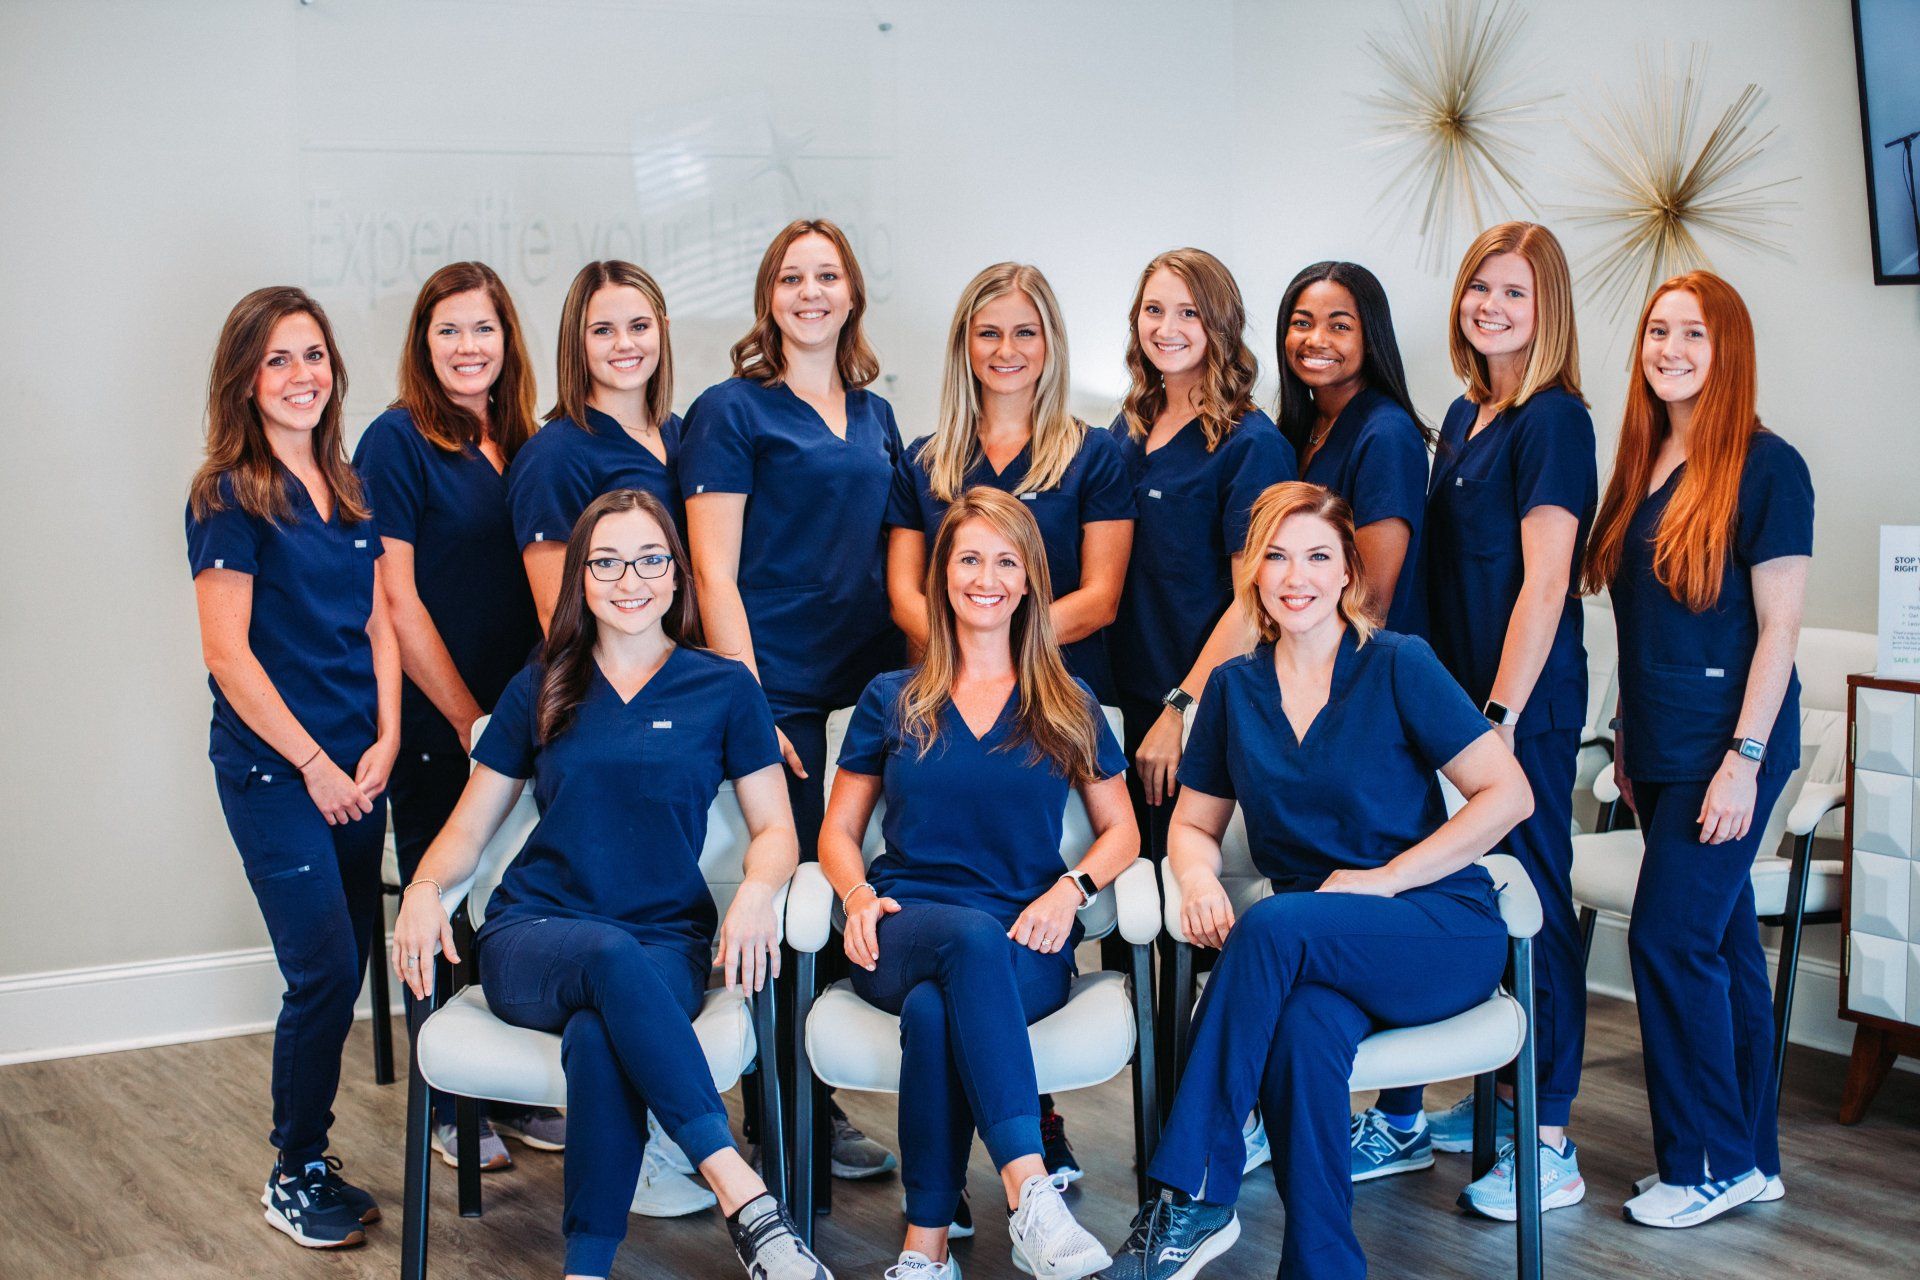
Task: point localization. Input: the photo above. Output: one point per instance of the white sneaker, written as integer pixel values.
(1047, 1242)
(665, 1192)
(914, 1265)
(670, 1153)
(1259, 1150)
(1663, 1205)
(1776, 1189)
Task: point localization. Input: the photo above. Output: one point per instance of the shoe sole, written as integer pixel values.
(855, 1173)
(1570, 1194)
(453, 1162)
(1263, 1156)
(537, 1144)
(1698, 1217)
(1454, 1148)
(1399, 1166)
(367, 1219)
(278, 1221)
(1775, 1189)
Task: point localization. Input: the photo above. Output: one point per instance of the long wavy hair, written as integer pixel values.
(1227, 378)
(567, 656)
(510, 400)
(1691, 544)
(570, 360)
(1553, 360)
(1054, 719)
(1380, 366)
(761, 355)
(1056, 437)
(1280, 503)
(237, 447)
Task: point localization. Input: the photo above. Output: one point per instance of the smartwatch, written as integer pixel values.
(1177, 698)
(1500, 713)
(1748, 748)
(1084, 883)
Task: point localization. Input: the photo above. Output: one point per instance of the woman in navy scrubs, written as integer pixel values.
(434, 465)
(625, 727)
(1512, 495)
(965, 925)
(1345, 409)
(305, 675)
(612, 425)
(1328, 736)
(1704, 542)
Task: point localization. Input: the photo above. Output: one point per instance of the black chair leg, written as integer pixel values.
(1587, 918)
(1181, 1014)
(1526, 1098)
(1146, 1068)
(806, 1098)
(466, 1126)
(1791, 924)
(379, 997)
(1484, 1109)
(413, 1223)
(771, 1124)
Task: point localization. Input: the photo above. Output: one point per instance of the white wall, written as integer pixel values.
(160, 161)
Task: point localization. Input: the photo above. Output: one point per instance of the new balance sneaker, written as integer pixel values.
(768, 1244)
(1453, 1128)
(307, 1207)
(1259, 1150)
(542, 1128)
(962, 1215)
(1056, 1150)
(1664, 1205)
(363, 1206)
(855, 1155)
(1172, 1239)
(665, 1192)
(914, 1265)
(1376, 1149)
(1776, 1189)
(493, 1152)
(1047, 1241)
(1494, 1194)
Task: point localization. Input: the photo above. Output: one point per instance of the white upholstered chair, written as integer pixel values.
(1603, 690)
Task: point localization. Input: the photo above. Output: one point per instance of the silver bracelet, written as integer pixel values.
(864, 884)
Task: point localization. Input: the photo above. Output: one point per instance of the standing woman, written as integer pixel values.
(1508, 508)
(1704, 542)
(434, 465)
(305, 675)
(1345, 409)
(612, 424)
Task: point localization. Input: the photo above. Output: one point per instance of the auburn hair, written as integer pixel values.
(1230, 368)
(1692, 541)
(1054, 718)
(238, 451)
(510, 400)
(761, 355)
(567, 656)
(570, 362)
(1553, 357)
(1273, 508)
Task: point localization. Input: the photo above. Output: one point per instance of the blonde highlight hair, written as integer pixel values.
(1279, 504)
(570, 362)
(1054, 718)
(1230, 369)
(761, 355)
(1553, 357)
(1056, 436)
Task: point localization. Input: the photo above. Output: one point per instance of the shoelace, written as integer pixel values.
(1145, 1223)
(1053, 1128)
(769, 1228)
(319, 1186)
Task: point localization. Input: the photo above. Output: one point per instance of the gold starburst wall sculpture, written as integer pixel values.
(1659, 195)
(1447, 118)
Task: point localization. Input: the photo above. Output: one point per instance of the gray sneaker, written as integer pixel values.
(493, 1152)
(855, 1155)
(542, 1128)
(768, 1244)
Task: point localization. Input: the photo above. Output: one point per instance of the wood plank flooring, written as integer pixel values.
(149, 1164)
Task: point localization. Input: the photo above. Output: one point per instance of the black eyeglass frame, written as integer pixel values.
(660, 560)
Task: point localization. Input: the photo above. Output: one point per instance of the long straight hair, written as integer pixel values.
(1230, 370)
(570, 363)
(1273, 508)
(1380, 366)
(510, 400)
(1056, 436)
(1695, 533)
(761, 355)
(237, 447)
(1054, 719)
(1553, 359)
(567, 655)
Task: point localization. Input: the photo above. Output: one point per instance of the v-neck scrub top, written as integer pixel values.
(976, 822)
(451, 507)
(1539, 454)
(1096, 487)
(1194, 507)
(1375, 457)
(1683, 675)
(624, 793)
(813, 542)
(313, 583)
(557, 474)
(1361, 788)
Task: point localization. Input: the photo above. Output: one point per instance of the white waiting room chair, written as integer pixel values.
(1603, 691)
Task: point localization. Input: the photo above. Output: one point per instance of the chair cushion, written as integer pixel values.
(853, 1045)
(1606, 870)
(465, 1050)
(1771, 876)
(1486, 1036)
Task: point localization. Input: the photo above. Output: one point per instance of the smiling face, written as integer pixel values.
(1324, 344)
(622, 339)
(295, 376)
(1302, 573)
(1497, 308)
(1171, 331)
(630, 604)
(1007, 345)
(986, 578)
(466, 344)
(811, 296)
(1676, 351)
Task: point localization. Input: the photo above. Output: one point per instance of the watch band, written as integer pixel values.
(1500, 713)
(1084, 883)
(1177, 698)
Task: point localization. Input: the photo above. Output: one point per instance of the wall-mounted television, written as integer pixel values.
(1886, 45)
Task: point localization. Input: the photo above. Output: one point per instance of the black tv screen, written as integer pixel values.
(1886, 43)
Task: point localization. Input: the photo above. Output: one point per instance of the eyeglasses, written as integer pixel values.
(612, 568)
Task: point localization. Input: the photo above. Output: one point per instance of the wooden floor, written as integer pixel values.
(149, 1164)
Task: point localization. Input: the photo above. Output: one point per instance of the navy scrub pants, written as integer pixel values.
(624, 1011)
(1543, 844)
(965, 994)
(1700, 983)
(423, 790)
(318, 887)
(1303, 979)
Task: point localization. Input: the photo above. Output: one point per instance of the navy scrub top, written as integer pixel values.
(1362, 788)
(1539, 454)
(976, 822)
(1194, 508)
(1375, 457)
(1683, 675)
(813, 558)
(624, 793)
(313, 586)
(559, 472)
(451, 507)
(1096, 487)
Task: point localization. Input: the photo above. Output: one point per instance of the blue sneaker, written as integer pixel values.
(1377, 1149)
(1259, 1150)
(305, 1205)
(1173, 1241)
(1453, 1128)
(1494, 1194)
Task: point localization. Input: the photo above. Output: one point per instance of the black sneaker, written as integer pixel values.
(1173, 1239)
(307, 1207)
(768, 1244)
(1056, 1150)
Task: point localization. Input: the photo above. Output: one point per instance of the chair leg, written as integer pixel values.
(413, 1223)
(379, 997)
(466, 1126)
(805, 1100)
(1587, 918)
(1526, 1097)
(1181, 1014)
(1791, 924)
(1484, 1113)
(1146, 1068)
(772, 1125)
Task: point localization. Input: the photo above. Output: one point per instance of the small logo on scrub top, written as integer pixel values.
(1029, 497)
(360, 544)
(663, 724)
(1153, 493)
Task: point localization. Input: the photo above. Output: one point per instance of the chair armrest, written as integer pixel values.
(1519, 904)
(1136, 901)
(1605, 790)
(1171, 901)
(1817, 800)
(809, 909)
(455, 894)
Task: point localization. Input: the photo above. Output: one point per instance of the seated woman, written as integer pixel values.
(965, 926)
(1328, 735)
(602, 927)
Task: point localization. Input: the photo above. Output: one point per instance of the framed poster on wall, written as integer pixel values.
(1886, 47)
